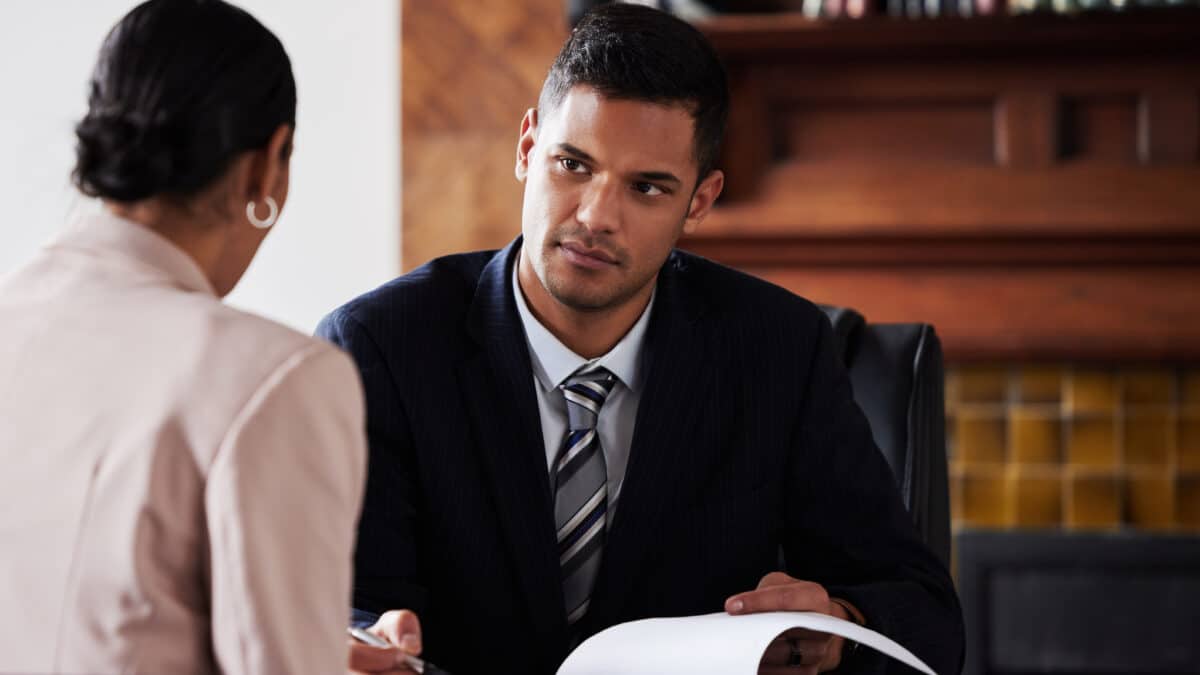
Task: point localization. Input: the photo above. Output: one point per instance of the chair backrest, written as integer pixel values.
(896, 370)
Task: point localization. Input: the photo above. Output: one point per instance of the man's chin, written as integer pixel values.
(583, 302)
(582, 296)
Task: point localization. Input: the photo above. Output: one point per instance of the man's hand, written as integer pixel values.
(798, 651)
(399, 627)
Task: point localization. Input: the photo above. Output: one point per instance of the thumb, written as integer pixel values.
(402, 628)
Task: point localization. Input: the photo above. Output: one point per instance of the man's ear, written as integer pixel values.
(702, 200)
(525, 143)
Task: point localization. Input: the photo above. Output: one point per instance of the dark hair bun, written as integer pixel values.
(119, 159)
(181, 88)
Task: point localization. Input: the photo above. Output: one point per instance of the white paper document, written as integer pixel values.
(711, 644)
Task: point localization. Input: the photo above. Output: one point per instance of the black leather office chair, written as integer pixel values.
(896, 370)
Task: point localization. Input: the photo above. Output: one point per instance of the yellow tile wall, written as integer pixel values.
(1090, 391)
(1190, 388)
(1092, 442)
(981, 496)
(1189, 441)
(1149, 437)
(1150, 500)
(1035, 435)
(1149, 386)
(1093, 501)
(981, 436)
(1187, 502)
(1034, 498)
(1052, 445)
(1039, 384)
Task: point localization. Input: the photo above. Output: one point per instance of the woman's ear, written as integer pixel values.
(525, 143)
(269, 168)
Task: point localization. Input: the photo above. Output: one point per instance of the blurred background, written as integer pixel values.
(1023, 175)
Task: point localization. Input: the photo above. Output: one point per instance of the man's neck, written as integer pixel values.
(590, 334)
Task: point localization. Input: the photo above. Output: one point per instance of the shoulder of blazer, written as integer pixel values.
(732, 295)
(219, 333)
(430, 300)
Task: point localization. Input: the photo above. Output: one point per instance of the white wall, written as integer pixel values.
(339, 235)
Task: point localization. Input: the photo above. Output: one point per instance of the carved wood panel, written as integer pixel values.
(469, 70)
(1030, 186)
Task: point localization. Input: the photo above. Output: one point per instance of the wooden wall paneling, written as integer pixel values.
(922, 199)
(1043, 312)
(939, 130)
(1027, 125)
(469, 70)
(1169, 126)
(471, 65)
(1099, 128)
(749, 132)
(1029, 184)
(459, 194)
(1007, 299)
(776, 37)
(983, 77)
(895, 251)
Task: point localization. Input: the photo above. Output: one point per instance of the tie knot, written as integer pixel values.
(585, 394)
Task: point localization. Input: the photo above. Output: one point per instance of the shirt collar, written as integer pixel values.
(109, 234)
(553, 362)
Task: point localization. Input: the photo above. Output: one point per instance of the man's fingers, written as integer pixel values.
(784, 651)
(788, 670)
(401, 628)
(797, 596)
(368, 659)
(793, 657)
(776, 579)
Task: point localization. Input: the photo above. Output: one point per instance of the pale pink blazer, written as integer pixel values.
(179, 480)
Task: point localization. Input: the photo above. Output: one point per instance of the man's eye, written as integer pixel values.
(649, 189)
(572, 165)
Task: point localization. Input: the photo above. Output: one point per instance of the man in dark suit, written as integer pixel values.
(590, 427)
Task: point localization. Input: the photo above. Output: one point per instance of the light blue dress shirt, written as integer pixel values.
(553, 362)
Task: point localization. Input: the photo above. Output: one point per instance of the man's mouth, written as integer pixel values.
(589, 257)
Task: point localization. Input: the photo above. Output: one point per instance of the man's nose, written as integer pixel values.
(600, 206)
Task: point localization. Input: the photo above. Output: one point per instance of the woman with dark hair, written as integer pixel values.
(180, 480)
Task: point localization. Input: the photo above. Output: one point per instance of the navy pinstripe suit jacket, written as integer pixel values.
(747, 439)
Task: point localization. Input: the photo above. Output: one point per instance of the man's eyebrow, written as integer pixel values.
(572, 150)
(660, 176)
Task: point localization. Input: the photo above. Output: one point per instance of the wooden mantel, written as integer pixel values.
(1029, 185)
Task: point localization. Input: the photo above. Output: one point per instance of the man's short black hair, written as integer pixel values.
(637, 53)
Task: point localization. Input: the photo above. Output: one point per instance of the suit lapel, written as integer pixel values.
(498, 385)
(666, 454)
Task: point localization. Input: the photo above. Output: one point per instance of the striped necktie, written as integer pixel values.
(581, 490)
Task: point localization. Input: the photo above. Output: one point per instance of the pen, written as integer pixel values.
(414, 663)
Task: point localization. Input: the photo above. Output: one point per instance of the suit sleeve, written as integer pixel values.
(281, 500)
(849, 530)
(386, 560)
